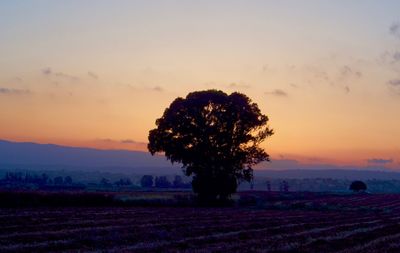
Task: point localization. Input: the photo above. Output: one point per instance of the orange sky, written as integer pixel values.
(327, 75)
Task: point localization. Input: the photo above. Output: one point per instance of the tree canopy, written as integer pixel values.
(358, 186)
(215, 136)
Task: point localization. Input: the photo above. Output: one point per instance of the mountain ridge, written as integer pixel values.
(35, 156)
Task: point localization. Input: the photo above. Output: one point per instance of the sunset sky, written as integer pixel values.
(99, 73)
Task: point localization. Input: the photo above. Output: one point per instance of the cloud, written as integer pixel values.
(389, 58)
(50, 73)
(47, 71)
(137, 88)
(67, 76)
(119, 144)
(348, 72)
(17, 79)
(11, 91)
(238, 86)
(277, 92)
(394, 86)
(157, 88)
(130, 141)
(379, 161)
(394, 29)
(319, 74)
(394, 82)
(396, 56)
(124, 141)
(93, 75)
(105, 140)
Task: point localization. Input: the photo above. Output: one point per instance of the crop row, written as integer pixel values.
(177, 229)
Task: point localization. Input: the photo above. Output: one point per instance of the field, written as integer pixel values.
(260, 222)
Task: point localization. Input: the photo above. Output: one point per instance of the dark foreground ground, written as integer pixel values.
(263, 222)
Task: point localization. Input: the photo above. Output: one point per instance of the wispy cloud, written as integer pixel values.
(124, 141)
(277, 92)
(157, 88)
(379, 161)
(92, 75)
(238, 86)
(348, 72)
(390, 58)
(394, 29)
(124, 144)
(130, 141)
(394, 82)
(137, 88)
(394, 86)
(50, 73)
(11, 91)
(17, 79)
(105, 140)
(318, 74)
(47, 71)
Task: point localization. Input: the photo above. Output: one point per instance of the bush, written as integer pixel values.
(358, 186)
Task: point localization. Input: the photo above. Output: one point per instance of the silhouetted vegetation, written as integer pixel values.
(123, 182)
(162, 182)
(216, 137)
(146, 181)
(19, 180)
(358, 186)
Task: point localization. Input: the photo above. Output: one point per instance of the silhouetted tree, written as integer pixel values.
(44, 179)
(123, 182)
(285, 186)
(357, 186)
(178, 182)
(58, 180)
(128, 181)
(215, 136)
(162, 182)
(105, 182)
(268, 186)
(68, 180)
(146, 181)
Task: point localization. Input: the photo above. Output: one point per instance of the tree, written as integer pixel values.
(105, 182)
(146, 181)
(178, 182)
(357, 186)
(58, 180)
(123, 182)
(285, 186)
(44, 179)
(215, 136)
(68, 180)
(162, 182)
(268, 186)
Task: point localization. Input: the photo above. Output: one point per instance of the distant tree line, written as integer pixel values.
(327, 185)
(148, 181)
(121, 182)
(28, 178)
(34, 181)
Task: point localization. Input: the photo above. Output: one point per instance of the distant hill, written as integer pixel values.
(33, 156)
(49, 157)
